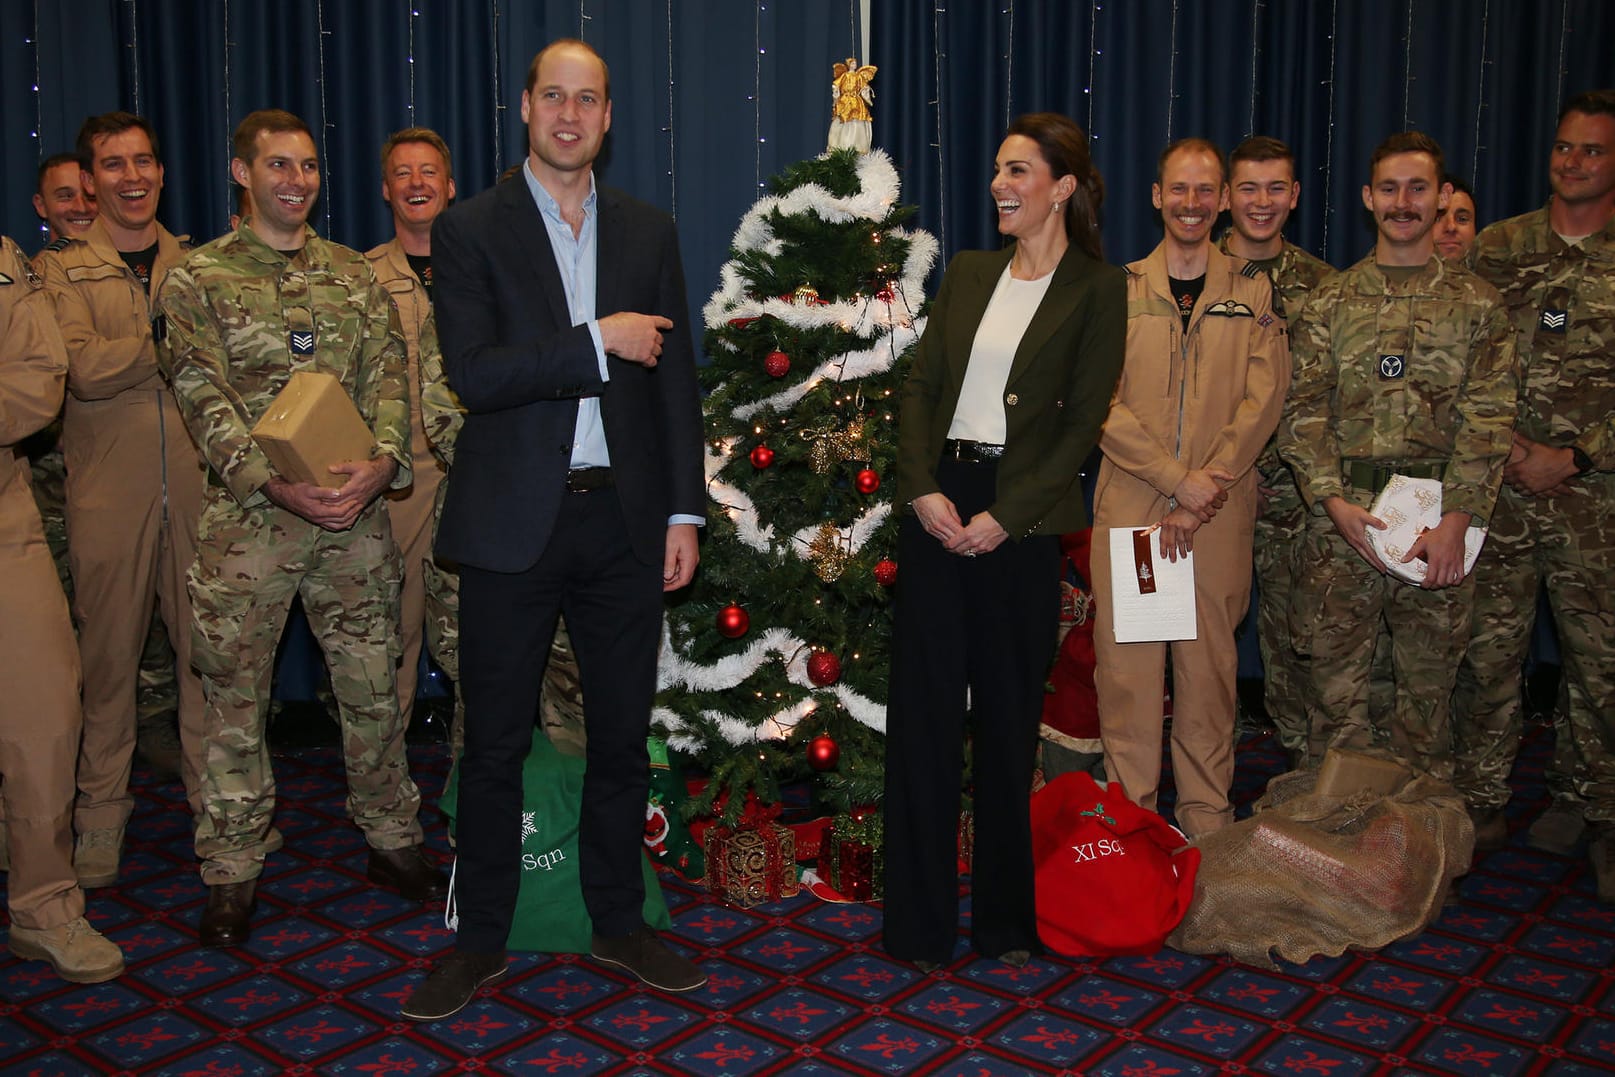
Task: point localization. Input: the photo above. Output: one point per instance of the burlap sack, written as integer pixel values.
(1310, 874)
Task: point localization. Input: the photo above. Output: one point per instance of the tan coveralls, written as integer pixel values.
(1208, 397)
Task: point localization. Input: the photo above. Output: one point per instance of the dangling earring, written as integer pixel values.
(1056, 208)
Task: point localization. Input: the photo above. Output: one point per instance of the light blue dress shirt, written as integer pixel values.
(576, 256)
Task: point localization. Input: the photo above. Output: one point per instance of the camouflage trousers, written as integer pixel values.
(250, 563)
(443, 638)
(1280, 533)
(1340, 603)
(1567, 545)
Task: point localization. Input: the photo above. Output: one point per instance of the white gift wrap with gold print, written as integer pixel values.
(1409, 507)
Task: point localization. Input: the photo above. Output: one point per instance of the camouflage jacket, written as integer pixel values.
(1418, 371)
(1294, 276)
(1561, 300)
(441, 411)
(238, 317)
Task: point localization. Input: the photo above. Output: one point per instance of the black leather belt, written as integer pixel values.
(970, 452)
(586, 480)
(1369, 475)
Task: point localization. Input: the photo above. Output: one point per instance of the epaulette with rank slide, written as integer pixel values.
(60, 243)
(1251, 270)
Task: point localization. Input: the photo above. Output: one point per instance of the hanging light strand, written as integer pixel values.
(39, 110)
(326, 198)
(1480, 87)
(672, 145)
(1329, 137)
(134, 51)
(1256, 52)
(1172, 73)
(498, 95)
(938, 61)
(1009, 66)
(1407, 72)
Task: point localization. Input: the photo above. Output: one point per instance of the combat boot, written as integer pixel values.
(1559, 829)
(96, 855)
(79, 953)
(1601, 853)
(1491, 829)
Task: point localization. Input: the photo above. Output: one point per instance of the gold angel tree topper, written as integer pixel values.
(850, 98)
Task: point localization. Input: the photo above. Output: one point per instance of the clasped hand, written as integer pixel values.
(335, 508)
(941, 521)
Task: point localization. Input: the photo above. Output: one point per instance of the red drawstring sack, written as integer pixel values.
(1112, 878)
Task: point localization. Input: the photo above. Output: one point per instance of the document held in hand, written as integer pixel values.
(1153, 597)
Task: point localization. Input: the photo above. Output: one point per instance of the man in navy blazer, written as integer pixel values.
(577, 489)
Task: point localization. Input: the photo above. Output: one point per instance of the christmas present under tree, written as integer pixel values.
(775, 662)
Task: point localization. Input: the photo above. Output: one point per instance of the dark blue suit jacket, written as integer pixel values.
(519, 366)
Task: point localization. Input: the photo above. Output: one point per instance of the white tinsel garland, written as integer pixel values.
(674, 671)
(875, 359)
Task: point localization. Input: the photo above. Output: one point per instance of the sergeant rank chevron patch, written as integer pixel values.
(1553, 321)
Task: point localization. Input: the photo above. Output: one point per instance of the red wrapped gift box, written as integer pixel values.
(852, 859)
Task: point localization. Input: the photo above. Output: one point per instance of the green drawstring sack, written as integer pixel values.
(550, 917)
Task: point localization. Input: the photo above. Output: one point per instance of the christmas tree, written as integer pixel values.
(776, 659)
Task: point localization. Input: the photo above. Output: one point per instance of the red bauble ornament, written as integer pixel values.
(823, 668)
(778, 364)
(885, 572)
(867, 481)
(761, 457)
(885, 295)
(823, 753)
(733, 621)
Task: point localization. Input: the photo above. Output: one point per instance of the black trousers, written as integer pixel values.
(986, 624)
(613, 608)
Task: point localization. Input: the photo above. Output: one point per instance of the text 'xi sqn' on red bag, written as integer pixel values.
(1112, 878)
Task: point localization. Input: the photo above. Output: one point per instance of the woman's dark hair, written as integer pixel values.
(1064, 146)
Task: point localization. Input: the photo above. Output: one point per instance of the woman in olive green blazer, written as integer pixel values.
(1011, 382)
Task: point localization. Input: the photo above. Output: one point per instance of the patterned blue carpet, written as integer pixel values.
(1515, 979)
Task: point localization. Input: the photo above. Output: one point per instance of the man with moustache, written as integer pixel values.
(61, 200)
(1404, 364)
(238, 317)
(1201, 389)
(577, 490)
(1263, 191)
(417, 183)
(1554, 525)
(134, 478)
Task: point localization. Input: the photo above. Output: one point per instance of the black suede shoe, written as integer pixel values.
(450, 985)
(409, 872)
(227, 920)
(645, 955)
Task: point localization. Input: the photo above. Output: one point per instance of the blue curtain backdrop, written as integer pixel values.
(711, 97)
(1331, 77)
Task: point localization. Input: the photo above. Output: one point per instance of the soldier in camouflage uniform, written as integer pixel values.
(1262, 193)
(1403, 364)
(1555, 520)
(240, 316)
